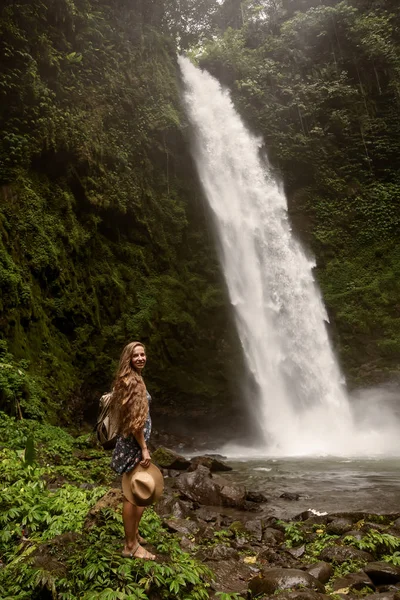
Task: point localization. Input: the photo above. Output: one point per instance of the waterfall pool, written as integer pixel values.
(324, 484)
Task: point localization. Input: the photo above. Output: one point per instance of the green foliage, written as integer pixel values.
(293, 533)
(102, 229)
(226, 596)
(393, 559)
(48, 546)
(375, 542)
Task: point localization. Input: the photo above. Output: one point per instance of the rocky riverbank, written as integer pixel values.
(255, 554)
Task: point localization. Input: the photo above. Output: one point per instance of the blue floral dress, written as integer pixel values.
(127, 452)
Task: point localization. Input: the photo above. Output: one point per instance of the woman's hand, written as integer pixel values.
(145, 462)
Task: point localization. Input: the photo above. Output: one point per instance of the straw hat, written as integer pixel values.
(143, 486)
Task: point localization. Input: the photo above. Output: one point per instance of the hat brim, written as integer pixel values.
(155, 473)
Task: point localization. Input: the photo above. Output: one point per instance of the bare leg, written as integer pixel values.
(131, 516)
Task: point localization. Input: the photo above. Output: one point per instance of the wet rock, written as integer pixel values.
(355, 533)
(182, 526)
(168, 459)
(250, 529)
(187, 544)
(273, 537)
(339, 554)
(201, 487)
(353, 581)
(321, 570)
(382, 573)
(230, 576)
(210, 462)
(257, 497)
(396, 524)
(290, 496)
(272, 580)
(303, 595)
(208, 514)
(223, 552)
(297, 552)
(339, 526)
(311, 518)
(382, 596)
(170, 506)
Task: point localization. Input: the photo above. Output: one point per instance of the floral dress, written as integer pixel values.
(127, 452)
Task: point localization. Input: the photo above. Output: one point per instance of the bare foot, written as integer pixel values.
(142, 553)
(137, 552)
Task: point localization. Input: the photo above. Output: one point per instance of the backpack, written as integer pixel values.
(106, 427)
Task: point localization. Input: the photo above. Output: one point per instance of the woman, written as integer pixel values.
(131, 404)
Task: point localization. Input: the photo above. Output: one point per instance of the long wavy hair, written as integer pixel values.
(129, 394)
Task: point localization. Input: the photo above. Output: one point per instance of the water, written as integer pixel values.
(301, 405)
(325, 485)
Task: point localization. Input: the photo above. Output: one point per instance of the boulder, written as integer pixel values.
(382, 573)
(303, 595)
(340, 554)
(222, 552)
(184, 527)
(353, 581)
(396, 524)
(382, 596)
(297, 551)
(321, 570)
(170, 506)
(200, 486)
(290, 496)
(273, 537)
(210, 462)
(168, 459)
(355, 533)
(339, 526)
(272, 580)
(257, 497)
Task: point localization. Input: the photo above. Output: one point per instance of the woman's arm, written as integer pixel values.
(139, 436)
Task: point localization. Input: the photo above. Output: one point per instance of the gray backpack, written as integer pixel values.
(106, 426)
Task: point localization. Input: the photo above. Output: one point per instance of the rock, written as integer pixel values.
(339, 526)
(396, 524)
(273, 537)
(382, 573)
(321, 570)
(185, 527)
(187, 544)
(208, 514)
(355, 533)
(222, 552)
(303, 595)
(339, 554)
(297, 552)
(290, 496)
(254, 528)
(353, 581)
(168, 459)
(170, 506)
(382, 596)
(201, 487)
(257, 497)
(230, 576)
(275, 579)
(112, 499)
(210, 462)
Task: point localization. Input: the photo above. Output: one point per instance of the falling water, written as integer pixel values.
(302, 402)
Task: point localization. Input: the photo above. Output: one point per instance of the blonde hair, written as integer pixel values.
(130, 394)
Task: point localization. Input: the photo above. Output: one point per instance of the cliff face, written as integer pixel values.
(104, 236)
(103, 233)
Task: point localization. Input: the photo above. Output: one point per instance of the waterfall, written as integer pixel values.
(302, 404)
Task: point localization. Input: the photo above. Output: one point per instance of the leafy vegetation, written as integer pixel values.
(103, 234)
(49, 546)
